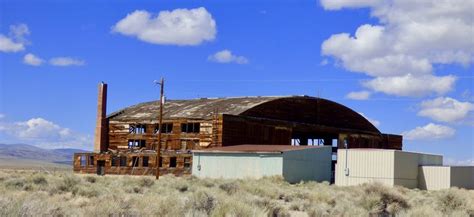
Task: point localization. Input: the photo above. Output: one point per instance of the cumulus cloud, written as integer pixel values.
(373, 121)
(411, 85)
(16, 40)
(177, 27)
(445, 109)
(410, 38)
(44, 133)
(226, 56)
(359, 95)
(429, 132)
(66, 61)
(31, 59)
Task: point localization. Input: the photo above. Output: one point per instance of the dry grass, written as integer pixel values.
(30, 193)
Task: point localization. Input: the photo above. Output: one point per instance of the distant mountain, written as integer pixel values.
(33, 153)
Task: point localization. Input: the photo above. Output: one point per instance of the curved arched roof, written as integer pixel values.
(301, 109)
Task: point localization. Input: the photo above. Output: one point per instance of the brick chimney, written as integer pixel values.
(101, 128)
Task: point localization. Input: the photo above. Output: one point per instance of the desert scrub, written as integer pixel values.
(30, 193)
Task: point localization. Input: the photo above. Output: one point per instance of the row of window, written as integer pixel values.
(166, 127)
(121, 161)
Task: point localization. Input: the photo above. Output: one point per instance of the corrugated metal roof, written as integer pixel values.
(296, 109)
(193, 108)
(255, 149)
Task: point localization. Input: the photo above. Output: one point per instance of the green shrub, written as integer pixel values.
(203, 201)
(69, 184)
(146, 182)
(90, 179)
(16, 183)
(450, 200)
(39, 180)
(229, 187)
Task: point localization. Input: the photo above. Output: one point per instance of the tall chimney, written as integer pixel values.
(101, 128)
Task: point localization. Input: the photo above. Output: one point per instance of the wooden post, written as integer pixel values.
(160, 123)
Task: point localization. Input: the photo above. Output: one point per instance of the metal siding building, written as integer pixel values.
(442, 177)
(390, 167)
(294, 163)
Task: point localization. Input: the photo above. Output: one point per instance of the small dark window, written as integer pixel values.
(160, 164)
(145, 161)
(187, 162)
(167, 128)
(190, 127)
(123, 161)
(91, 160)
(115, 161)
(173, 162)
(136, 143)
(137, 129)
(83, 160)
(135, 161)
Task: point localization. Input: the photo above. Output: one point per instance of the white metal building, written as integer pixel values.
(394, 167)
(442, 177)
(294, 163)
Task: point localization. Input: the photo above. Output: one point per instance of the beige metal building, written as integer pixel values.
(390, 167)
(394, 167)
(442, 177)
(294, 163)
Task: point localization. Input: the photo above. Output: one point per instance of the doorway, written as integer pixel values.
(101, 167)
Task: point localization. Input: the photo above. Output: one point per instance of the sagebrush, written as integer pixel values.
(35, 193)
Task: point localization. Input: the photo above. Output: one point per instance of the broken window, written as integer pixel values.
(173, 162)
(91, 160)
(187, 162)
(83, 160)
(145, 161)
(135, 161)
(136, 143)
(123, 161)
(167, 128)
(137, 129)
(115, 161)
(190, 127)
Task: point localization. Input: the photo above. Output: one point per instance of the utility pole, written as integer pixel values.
(160, 126)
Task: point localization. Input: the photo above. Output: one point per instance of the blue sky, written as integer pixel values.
(405, 66)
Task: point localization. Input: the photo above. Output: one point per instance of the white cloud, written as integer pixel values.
(177, 27)
(410, 38)
(454, 162)
(410, 85)
(338, 4)
(373, 121)
(44, 133)
(429, 132)
(445, 109)
(33, 60)
(16, 42)
(226, 56)
(359, 95)
(18, 32)
(8, 45)
(66, 61)
(2, 116)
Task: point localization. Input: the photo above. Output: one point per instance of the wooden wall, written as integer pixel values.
(238, 130)
(183, 164)
(208, 136)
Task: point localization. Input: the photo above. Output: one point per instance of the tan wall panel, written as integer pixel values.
(434, 177)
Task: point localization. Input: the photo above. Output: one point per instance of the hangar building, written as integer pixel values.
(126, 140)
